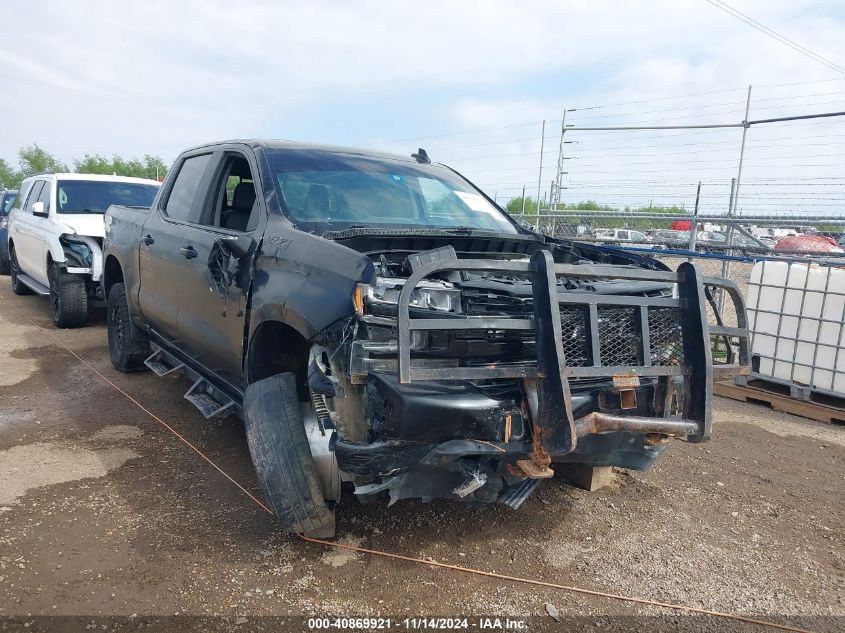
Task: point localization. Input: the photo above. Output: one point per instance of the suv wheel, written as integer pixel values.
(126, 351)
(18, 287)
(282, 457)
(68, 298)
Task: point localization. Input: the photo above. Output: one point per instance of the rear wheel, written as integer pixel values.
(126, 351)
(282, 456)
(68, 298)
(18, 287)
(4, 264)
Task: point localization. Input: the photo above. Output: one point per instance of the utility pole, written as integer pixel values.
(540, 175)
(735, 182)
(557, 186)
(745, 127)
(523, 202)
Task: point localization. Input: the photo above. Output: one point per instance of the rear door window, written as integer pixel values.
(181, 202)
(33, 195)
(20, 201)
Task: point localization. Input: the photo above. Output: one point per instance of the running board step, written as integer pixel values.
(210, 401)
(514, 496)
(34, 285)
(162, 363)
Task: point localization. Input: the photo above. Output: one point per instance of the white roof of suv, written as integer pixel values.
(97, 177)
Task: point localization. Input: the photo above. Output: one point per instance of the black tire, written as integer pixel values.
(68, 298)
(282, 457)
(18, 287)
(126, 349)
(5, 265)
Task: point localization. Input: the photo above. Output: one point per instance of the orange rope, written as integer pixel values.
(411, 559)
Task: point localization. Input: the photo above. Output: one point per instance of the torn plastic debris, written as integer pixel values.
(425, 484)
(475, 480)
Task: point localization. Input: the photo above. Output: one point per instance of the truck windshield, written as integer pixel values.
(94, 196)
(325, 190)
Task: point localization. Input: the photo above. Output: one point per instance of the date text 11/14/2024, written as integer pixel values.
(418, 623)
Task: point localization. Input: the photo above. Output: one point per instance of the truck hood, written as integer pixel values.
(376, 242)
(88, 224)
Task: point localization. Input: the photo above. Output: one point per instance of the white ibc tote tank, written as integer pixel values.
(796, 313)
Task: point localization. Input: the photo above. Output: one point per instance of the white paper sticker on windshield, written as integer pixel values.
(474, 201)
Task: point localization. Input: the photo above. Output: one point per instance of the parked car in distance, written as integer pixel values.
(7, 199)
(737, 240)
(670, 238)
(622, 236)
(378, 320)
(808, 244)
(55, 236)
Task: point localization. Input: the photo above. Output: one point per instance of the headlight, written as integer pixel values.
(78, 253)
(430, 294)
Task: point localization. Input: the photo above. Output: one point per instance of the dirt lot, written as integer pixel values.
(103, 512)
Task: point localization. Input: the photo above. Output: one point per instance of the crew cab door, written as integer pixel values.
(161, 257)
(43, 228)
(24, 232)
(214, 282)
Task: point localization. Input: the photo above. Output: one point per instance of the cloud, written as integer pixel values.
(156, 77)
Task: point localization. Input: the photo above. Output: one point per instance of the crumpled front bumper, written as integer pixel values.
(587, 408)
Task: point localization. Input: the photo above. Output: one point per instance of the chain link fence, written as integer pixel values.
(718, 246)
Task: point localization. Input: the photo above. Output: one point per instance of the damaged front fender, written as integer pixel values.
(316, 277)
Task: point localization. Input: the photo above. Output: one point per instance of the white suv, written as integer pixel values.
(56, 231)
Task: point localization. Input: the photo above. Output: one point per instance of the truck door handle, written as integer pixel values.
(188, 252)
(147, 239)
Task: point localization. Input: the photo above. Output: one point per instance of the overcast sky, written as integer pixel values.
(156, 77)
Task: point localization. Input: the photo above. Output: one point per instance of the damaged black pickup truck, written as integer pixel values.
(379, 320)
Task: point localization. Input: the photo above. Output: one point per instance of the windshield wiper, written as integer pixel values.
(85, 210)
(463, 230)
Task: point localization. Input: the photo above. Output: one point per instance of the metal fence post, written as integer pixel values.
(694, 225)
(540, 175)
(726, 263)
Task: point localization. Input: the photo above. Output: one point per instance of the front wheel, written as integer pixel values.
(68, 298)
(282, 456)
(127, 353)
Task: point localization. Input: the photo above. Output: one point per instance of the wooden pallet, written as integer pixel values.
(761, 392)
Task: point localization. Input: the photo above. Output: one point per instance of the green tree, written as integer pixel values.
(146, 167)
(93, 164)
(515, 206)
(9, 177)
(34, 160)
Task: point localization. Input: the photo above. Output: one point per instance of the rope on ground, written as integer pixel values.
(410, 559)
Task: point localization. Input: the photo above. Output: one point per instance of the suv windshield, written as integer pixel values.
(93, 196)
(326, 190)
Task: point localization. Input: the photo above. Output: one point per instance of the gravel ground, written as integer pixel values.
(105, 513)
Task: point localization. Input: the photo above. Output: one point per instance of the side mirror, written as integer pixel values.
(236, 245)
(39, 210)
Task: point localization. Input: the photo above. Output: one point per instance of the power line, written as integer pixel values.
(422, 138)
(775, 35)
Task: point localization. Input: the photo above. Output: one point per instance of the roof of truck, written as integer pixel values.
(317, 147)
